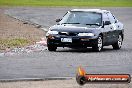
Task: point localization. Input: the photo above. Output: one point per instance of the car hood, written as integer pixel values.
(74, 28)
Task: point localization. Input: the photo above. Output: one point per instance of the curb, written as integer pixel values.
(35, 79)
(27, 22)
(44, 29)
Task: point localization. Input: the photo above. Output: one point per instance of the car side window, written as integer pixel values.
(115, 18)
(111, 18)
(105, 17)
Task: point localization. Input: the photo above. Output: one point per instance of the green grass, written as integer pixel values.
(5, 43)
(95, 3)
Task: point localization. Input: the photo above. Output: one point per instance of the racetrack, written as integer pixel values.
(64, 62)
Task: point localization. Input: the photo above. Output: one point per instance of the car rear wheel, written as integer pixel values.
(52, 48)
(99, 44)
(118, 44)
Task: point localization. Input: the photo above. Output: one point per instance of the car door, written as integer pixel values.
(119, 27)
(107, 30)
(114, 28)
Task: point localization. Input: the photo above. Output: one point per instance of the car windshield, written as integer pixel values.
(86, 18)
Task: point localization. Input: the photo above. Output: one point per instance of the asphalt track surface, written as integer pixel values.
(64, 62)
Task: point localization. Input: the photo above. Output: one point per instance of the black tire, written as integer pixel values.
(99, 44)
(118, 44)
(52, 48)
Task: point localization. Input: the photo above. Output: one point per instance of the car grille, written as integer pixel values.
(68, 33)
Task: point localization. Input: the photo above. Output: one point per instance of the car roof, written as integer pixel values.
(91, 10)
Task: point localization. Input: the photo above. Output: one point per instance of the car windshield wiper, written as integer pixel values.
(70, 23)
(94, 24)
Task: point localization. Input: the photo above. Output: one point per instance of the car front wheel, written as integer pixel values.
(118, 44)
(99, 44)
(52, 48)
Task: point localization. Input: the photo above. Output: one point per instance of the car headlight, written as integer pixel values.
(85, 34)
(51, 32)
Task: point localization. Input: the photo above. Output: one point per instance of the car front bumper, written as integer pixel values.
(77, 41)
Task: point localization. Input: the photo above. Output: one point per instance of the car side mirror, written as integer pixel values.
(58, 20)
(107, 23)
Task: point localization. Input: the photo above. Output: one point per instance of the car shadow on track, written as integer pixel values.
(85, 50)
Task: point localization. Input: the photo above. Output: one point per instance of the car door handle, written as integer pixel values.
(111, 28)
